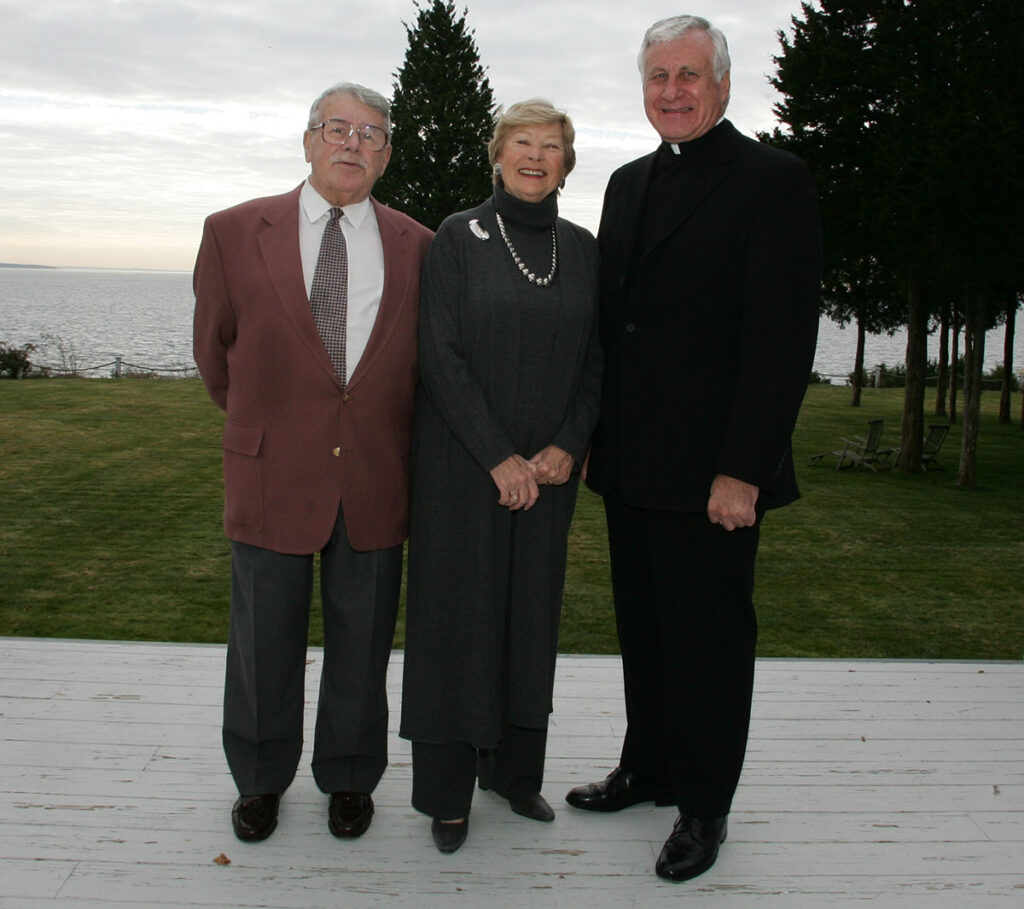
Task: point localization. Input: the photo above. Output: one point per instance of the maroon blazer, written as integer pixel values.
(295, 444)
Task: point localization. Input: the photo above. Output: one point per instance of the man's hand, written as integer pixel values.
(732, 501)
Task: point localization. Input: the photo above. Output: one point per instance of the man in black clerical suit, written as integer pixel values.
(710, 269)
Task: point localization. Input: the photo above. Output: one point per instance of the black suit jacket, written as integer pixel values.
(709, 326)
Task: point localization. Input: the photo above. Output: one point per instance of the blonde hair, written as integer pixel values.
(534, 112)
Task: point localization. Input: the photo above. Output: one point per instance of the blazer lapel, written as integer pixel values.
(279, 248)
(703, 175)
(621, 222)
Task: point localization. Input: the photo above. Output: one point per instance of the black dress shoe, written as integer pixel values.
(349, 813)
(618, 790)
(254, 817)
(692, 848)
(533, 806)
(449, 836)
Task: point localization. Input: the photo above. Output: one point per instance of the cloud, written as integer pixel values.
(124, 122)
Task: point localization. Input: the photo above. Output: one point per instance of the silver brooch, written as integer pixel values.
(478, 231)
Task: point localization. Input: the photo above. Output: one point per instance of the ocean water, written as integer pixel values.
(86, 318)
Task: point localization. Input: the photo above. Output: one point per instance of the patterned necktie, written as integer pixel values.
(328, 297)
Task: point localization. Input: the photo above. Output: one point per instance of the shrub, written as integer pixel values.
(14, 361)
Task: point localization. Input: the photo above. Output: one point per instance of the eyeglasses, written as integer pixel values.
(338, 132)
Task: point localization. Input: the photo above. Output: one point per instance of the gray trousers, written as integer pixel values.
(264, 689)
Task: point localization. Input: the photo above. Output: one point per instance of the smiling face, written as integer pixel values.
(533, 161)
(681, 97)
(345, 174)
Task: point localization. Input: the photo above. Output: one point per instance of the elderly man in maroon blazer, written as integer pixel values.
(305, 335)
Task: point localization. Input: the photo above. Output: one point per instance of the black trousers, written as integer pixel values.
(264, 689)
(443, 775)
(684, 609)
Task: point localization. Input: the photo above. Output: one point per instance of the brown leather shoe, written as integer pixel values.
(618, 790)
(692, 847)
(254, 817)
(350, 813)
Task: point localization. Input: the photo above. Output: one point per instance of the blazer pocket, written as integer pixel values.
(243, 474)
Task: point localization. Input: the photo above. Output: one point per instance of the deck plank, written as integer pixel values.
(901, 781)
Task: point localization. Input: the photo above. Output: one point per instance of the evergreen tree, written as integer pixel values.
(832, 98)
(443, 116)
(908, 113)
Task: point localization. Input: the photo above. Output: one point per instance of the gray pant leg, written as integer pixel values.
(266, 664)
(360, 592)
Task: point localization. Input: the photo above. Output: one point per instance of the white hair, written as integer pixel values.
(374, 100)
(675, 27)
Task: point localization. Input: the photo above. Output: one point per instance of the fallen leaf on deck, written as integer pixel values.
(222, 859)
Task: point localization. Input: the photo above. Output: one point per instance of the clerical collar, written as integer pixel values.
(529, 214)
(684, 150)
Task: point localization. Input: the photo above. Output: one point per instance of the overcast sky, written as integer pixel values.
(123, 123)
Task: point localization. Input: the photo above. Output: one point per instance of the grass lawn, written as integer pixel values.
(110, 527)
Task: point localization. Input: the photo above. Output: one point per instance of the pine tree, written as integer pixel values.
(908, 113)
(443, 116)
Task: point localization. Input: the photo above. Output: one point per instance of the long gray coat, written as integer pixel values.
(506, 367)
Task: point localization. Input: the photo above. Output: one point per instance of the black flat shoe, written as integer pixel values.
(533, 806)
(618, 790)
(692, 847)
(448, 837)
(254, 817)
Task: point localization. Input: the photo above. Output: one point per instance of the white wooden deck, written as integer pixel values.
(896, 781)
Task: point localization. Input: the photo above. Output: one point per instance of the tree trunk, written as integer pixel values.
(974, 358)
(954, 365)
(858, 365)
(917, 362)
(1007, 387)
(942, 373)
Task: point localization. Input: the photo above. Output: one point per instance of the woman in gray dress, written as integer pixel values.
(510, 375)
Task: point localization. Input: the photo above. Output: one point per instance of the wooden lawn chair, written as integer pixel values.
(861, 451)
(930, 446)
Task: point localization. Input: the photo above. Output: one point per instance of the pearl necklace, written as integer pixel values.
(529, 275)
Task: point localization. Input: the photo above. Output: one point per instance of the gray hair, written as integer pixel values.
(362, 94)
(675, 27)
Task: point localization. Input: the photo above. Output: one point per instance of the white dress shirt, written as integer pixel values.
(365, 263)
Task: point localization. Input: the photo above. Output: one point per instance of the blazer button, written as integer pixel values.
(346, 397)
(630, 327)
(336, 452)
